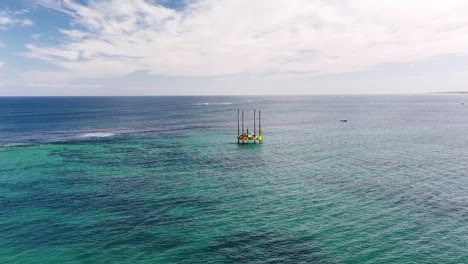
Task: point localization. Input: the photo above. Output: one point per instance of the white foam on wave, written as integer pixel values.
(15, 145)
(97, 135)
(226, 103)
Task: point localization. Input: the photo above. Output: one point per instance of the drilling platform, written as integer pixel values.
(247, 137)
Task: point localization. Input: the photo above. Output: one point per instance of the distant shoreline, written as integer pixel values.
(454, 92)
(230, 95)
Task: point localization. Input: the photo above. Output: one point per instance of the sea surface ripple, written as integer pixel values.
(163, 180)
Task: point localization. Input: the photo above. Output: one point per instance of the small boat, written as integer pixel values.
(344, 120)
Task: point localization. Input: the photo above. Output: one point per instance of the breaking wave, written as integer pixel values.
(96, 135)
(227, 103)
(19, 144)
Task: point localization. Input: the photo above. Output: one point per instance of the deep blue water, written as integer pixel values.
(162, 180)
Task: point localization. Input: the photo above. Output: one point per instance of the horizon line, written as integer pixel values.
(241, 95)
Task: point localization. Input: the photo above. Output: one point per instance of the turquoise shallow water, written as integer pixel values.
(161, 180)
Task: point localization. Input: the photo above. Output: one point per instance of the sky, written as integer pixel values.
(232, 47)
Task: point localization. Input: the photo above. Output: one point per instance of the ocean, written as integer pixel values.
(163, 180)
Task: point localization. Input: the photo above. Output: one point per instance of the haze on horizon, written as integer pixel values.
(217, 47)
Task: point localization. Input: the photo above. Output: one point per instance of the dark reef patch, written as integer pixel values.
(266, 247)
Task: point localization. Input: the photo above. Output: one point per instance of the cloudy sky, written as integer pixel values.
(199, 47)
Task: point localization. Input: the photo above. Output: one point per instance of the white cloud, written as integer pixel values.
(36, 36)
(54, 85)
(74, 34)
(52, 54)
(219, 37)
(47, 76)
(9, 19)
